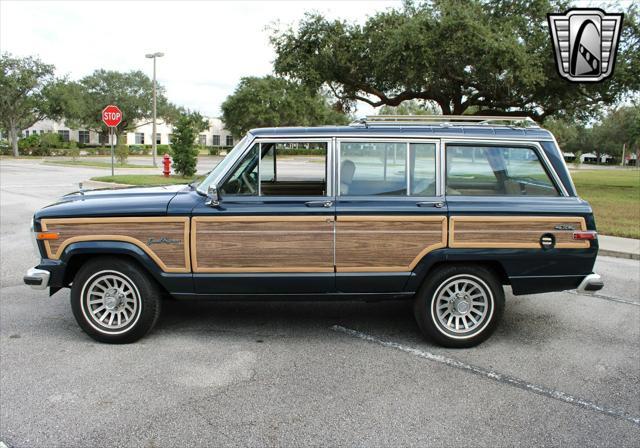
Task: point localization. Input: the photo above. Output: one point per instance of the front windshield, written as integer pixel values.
(222, 166)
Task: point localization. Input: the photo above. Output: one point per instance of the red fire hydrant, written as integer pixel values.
(166, 165)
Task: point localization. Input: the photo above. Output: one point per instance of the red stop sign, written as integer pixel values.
(111, 115)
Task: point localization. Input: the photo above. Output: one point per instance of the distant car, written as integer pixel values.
(444, 211)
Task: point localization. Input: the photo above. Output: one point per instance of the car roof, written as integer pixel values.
(437, 131)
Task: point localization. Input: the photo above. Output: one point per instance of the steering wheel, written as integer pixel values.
(247, 183)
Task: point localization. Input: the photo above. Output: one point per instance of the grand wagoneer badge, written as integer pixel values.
(163, 240)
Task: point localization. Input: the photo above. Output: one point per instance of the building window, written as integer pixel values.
(64, 134)
(229, 140)
(169, 138)
(83, 137)
(216, 140)
(26, 133)
(158, 139)
(202, 139)
(139, 138)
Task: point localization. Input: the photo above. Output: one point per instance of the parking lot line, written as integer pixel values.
(492, 375)
(604, 297)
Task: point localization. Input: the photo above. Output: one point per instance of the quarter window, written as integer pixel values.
(496, 171)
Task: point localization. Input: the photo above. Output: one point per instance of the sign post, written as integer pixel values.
(112, 116)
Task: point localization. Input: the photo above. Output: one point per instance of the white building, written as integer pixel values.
(215, 135)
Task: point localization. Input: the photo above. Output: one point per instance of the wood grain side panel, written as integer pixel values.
(518, 232)
(262, 244)
(386, 243)
(171, 255)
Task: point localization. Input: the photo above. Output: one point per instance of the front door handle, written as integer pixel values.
(324, 204)
(436, 204)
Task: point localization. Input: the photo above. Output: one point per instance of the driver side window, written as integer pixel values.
(244, 180)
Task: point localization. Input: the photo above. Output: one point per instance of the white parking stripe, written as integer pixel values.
(499, 377)
(604, 297)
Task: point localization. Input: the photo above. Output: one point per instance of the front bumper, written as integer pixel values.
(37, 278)
(591, 283)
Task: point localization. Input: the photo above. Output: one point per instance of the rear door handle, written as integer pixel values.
(436, 204)
(324, 204)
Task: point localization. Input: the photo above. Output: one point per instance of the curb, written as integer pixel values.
(99, 184)
(617, 254)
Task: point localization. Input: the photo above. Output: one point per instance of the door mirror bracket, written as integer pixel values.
(213, 199)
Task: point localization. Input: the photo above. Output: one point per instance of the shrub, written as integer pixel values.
(122, 153)
(5, 148)
(185, 154)
(214, 150)
(27, 145)
(163, 149)
(50, 140)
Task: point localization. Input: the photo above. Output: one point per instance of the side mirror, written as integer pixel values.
(213, 199)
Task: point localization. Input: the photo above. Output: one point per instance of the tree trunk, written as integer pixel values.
(13, 135)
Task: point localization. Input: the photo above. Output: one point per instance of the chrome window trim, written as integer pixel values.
(535, 146)
(398, 139)
(402, 136)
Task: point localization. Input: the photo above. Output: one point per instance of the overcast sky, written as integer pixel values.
(208, 46)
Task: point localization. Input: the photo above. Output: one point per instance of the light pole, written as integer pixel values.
(153, 131)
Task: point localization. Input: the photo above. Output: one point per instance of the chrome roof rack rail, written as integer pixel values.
(445, 120)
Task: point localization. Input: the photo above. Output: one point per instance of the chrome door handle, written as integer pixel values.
(325, 204)
(436, 204)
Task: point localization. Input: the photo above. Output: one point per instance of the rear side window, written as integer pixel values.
(380, 169)
(474, 170)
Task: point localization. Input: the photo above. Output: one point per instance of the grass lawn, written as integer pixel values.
(94, 163)
(615, 198)
(145, 179)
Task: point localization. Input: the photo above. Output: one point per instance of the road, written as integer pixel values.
(562, 369)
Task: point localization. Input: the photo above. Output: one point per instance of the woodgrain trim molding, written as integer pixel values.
(248, 219)
(519, 228)
(395, 218)
(45, 223)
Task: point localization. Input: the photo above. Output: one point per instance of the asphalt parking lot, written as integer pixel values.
(562, 369)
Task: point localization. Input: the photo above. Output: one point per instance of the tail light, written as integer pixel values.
(585, 235)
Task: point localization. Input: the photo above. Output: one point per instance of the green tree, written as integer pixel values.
(411, 107)
(185, 153)
(81, 102)
(23, 100)
(271, 101)
(488, 56)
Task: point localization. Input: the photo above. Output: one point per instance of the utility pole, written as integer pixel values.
(153, 131)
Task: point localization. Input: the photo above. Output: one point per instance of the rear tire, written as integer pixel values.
(114, 300)
(459, 306)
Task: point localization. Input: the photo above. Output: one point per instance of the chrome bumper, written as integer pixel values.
(37, 278)
(591, 283)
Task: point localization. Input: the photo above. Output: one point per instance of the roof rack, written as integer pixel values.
(444, 120)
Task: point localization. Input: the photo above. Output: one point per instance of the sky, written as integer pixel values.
(208, 45)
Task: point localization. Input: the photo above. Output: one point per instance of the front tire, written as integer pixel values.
(459, 305)
(114, 300)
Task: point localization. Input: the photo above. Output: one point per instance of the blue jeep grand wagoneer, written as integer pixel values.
(441, 210)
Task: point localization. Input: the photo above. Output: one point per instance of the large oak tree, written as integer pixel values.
(483, 57)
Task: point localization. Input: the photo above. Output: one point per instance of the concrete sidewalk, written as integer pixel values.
(614, 246)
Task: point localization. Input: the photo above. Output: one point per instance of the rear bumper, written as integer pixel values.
(37, 278)
(591, 283)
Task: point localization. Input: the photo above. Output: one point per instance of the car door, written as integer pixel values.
(390, 211)
(272, 231)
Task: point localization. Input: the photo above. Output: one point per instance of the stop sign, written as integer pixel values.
(111, 115)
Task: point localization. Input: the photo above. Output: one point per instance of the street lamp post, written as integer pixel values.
(153, 136)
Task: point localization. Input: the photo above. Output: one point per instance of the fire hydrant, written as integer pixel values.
(166, 165)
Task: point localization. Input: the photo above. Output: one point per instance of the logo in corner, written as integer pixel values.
(163, 240)
(585, 43)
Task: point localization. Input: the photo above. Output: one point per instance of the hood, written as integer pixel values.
(136, 201)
